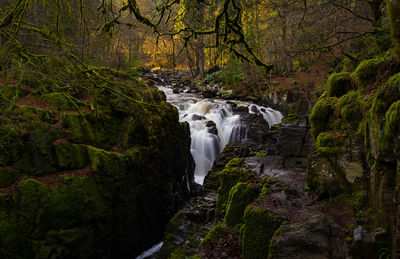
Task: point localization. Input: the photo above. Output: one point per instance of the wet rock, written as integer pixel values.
(310, 239)
(232, 104)
(254, 109)
(240, 109)
(197, 117)
(295, 139)
(212, 127)
(252, 130)
(209, 94)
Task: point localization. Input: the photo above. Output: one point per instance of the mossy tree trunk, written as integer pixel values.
(394, 18)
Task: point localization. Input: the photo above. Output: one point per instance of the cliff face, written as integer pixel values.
(356, 127)
(84, 177)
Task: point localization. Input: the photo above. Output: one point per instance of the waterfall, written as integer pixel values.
(213, 125)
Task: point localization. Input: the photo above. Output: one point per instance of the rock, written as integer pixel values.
(212, 127)
(94, 186)
(363, 245)
(209, 94)
(294, 139)
(232, 104)
(252, 130)
(259, 226)
(197, 117)
(212, 70)
(254, 109)
(240, 109)
(310, 239)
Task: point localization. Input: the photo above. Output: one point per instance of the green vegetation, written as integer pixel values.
(229, 177)
(259, 227)
(214, 235)
(339, 84)
(393, 11)
(321, 114)
(240, 196)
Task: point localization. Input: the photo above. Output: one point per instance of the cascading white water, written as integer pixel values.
(212, 125)
(270, 115)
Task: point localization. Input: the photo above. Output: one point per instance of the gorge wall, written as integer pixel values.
(83, 179)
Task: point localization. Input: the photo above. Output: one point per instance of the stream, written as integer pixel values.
(213, 124)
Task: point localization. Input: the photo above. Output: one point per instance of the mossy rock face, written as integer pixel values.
(241, 195)
(214, 235)
(60, 101)
(351, 108)
(7, 177)
(229, 177)
(100, 132)
(321, 113)
(392, 126)
(71, 156)
(393, 11)
(369, 71)
(339, 84)
(106, 163)
(106, 177)
(12, 92)
(259, 227)
(326, 175)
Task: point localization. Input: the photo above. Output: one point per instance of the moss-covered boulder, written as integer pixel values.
(229, 177)
(372, 70)
(321, 114)
(240, 196)
(339, 84)
(90, 175)
(259, 226)
(71, 156)
(8, 177)
(214, 235)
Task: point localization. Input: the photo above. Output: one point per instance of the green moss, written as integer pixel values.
(392, 126)
(73, 204)
(273, 246)
(102, 132)
(178, 253)
(262, 153)
(289, 119)
(339, 84)
(260, 226)
(214, 235)
(228, 179)
(32, 194)
(235, 162)
(329, 139)
(393, 12)
(265, 191)
(110, 164)
(12, 92)
(7, 177)
(71, 156)
(241, 195)
(351, 108)
(321, 113)
(368, 72)
(59, 101)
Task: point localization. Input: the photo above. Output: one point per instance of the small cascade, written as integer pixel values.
(270, 115)
(213, 124)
